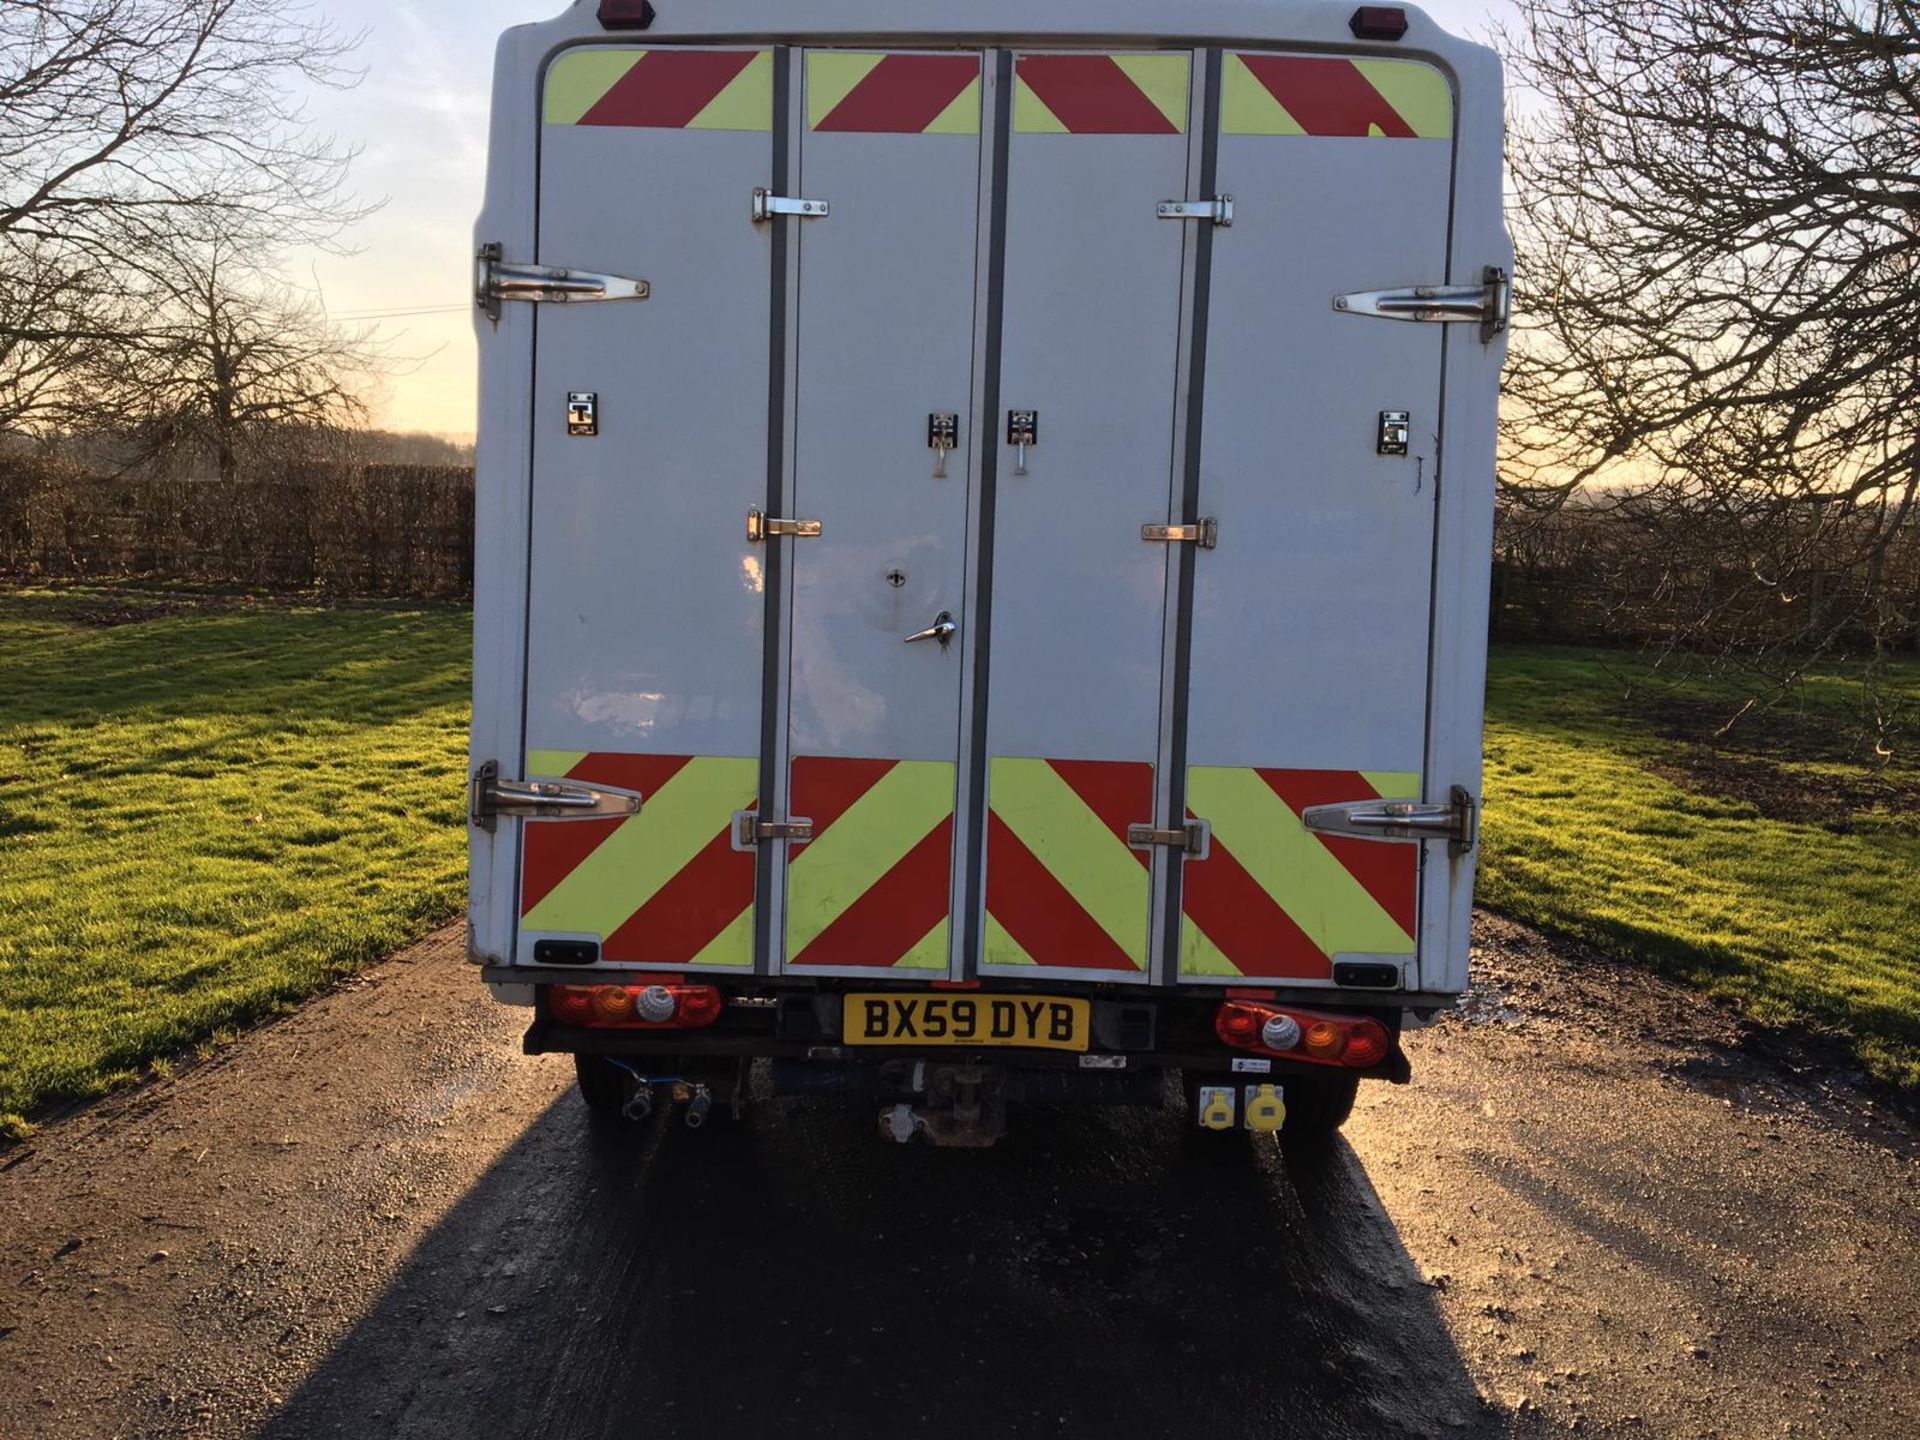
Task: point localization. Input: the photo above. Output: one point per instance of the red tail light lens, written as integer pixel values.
(626, 14)
(617, 1007)
(1353, 1041)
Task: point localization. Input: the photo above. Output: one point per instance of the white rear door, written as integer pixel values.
(1309, 640)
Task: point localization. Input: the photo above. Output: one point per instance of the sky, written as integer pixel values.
(419, 119)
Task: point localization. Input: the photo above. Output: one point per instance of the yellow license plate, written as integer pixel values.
(1032, 1022)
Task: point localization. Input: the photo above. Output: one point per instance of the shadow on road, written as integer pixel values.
(1101, 1272)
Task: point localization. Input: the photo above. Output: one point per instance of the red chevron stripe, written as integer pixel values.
(685, 914)
(1120, 792)
(903, 94)
(1239, 916)
(825, 789)
(1041, 913)
(666, 88)
(901, 907)
(1091, 95)
(1327, 97)
(1389, 873)
(554, 851)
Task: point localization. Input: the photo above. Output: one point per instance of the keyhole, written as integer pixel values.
(896, 578)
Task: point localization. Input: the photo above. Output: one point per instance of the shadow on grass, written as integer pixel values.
(1093, 1275)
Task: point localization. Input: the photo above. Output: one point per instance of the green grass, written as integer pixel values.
(1612, 814)
(212, 806)
(207, 815)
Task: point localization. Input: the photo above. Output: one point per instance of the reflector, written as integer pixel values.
(1378, 22)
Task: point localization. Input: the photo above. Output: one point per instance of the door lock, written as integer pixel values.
(1023, 433)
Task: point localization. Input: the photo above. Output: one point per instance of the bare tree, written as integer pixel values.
(1718, 213)
(126, 125)
(227, 367)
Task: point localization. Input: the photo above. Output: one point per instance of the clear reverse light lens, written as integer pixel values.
(1281, 1032)
(656, 1004)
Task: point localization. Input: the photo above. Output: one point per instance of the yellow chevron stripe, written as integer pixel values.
(1199, 955)
(962, 117)
(1077, 849)
(874, 835)
(579, 79)
(746, 103)
(1163, 80)
(831, 77)
(1001, 948)
(733, 946)
(1418, 93)
(644, 853)
(553, 764)
(1248, 108)
(1392, 784)
(932, 951)
(1291, 865)
(1030, 113)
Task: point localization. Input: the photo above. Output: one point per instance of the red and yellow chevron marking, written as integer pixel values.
(665, 887)
(1063, 888)
(1314, 95)
(1276, 900)
(1100, 94)
(873, 886)
(893, 94)
(662, 89)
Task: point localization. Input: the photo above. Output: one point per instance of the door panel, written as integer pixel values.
(1091, 331)
(886, 307)
(645, 602)
(1308, 679)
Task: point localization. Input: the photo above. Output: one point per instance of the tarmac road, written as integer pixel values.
(377, 1218)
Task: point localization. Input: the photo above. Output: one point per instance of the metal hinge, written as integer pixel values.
(1219, 210)
(490, 797)
(750, 830)
(1206, 534)
(1457, 822)
(500, 282)
(1490, 302)
(1193, 838)
(767, 205)
(760, 526)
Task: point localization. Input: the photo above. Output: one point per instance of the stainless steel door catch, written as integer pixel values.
(1023, 433)
(943, 437)
(1396, 428)
(583, 412)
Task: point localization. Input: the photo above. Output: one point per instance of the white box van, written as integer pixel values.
(984, 516)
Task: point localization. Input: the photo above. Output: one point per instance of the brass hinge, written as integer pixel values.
(490, 797)
(1191, 838)
(750, 830)
(1205, 534)
(1457, 822)
(760, 526)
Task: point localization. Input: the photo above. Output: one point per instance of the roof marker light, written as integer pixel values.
(1378, 22)
(626, 14)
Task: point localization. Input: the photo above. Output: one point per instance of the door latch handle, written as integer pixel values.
(943, 629)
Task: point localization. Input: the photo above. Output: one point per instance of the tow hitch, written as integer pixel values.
(964, 1106)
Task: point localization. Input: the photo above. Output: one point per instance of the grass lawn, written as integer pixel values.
(208, 809)
(1773, 864)
(210, 806)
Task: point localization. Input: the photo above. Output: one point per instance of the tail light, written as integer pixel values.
(1356, 1042)
(634, 1007)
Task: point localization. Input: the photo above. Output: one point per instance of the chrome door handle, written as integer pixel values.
(943, 629)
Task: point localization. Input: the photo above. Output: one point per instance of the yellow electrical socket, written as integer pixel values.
(1266, 1108)
(1217, 1107)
